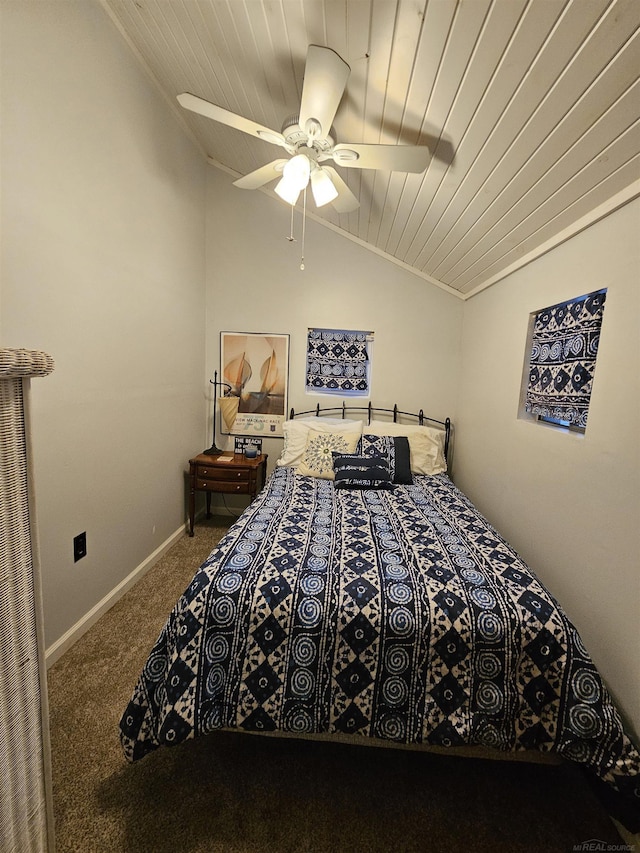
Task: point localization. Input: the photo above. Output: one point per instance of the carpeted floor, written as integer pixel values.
(236, 793)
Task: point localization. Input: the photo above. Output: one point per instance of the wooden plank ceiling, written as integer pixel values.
(530, 109)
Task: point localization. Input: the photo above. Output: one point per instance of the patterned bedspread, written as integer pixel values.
(397, 614)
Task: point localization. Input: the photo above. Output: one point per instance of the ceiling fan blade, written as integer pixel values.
(206, 108)
(346, 202)
(325, 77)
(261, 176)
(391, 158)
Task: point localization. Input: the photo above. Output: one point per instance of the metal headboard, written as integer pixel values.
(370, 410)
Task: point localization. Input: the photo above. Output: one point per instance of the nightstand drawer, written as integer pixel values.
(206, 472)
(222, 486)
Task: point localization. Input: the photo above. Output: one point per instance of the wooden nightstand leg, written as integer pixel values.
(192, 507)
(208, 504)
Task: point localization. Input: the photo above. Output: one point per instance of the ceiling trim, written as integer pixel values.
(614, 203)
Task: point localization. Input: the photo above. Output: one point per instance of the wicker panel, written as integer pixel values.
(23, 805)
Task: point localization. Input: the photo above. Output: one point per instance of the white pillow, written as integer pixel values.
(296, 431)
(317, 460)
(426, 444)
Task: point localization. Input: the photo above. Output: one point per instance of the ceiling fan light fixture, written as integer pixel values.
(296, 171)
(287, 191)
(322, 187)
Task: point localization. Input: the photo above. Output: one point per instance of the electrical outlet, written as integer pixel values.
(79, 546)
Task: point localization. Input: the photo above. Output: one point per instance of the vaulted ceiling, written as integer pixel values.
(530, 109)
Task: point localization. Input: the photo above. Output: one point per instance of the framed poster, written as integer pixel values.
(255, 370)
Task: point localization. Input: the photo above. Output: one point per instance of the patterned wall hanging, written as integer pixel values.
(563, 359)
(339, 362)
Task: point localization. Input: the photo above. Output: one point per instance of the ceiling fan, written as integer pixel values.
(308, 138)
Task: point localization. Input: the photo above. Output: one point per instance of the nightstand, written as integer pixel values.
(229, 472)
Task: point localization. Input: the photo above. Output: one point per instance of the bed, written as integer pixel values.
(363, 596)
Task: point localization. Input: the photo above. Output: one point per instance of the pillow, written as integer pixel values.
(317, 460)
(361, 472)
(394, 450)
(426, 444)
(296, 431)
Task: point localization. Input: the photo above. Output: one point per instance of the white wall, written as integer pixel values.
(569, 504)
(102, 267)
(254, 284)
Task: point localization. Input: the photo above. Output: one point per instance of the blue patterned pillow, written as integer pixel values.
(361, 472)
(394, 449)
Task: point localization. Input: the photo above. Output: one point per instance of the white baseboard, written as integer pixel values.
(57, 649)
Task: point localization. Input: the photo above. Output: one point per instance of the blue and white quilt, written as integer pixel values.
(397, 614)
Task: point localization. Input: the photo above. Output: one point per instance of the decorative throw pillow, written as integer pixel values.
(426, 444)
(317, 460)
(296, 432)
(361, 472)
(394, 450)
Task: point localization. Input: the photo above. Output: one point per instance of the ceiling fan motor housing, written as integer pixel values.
(296, 137)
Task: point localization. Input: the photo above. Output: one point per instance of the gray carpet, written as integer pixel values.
(242, 793)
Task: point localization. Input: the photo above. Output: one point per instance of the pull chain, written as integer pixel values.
(291, 238)
(304, 219)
